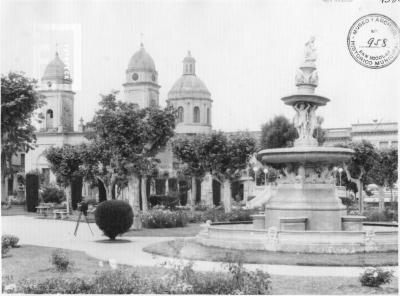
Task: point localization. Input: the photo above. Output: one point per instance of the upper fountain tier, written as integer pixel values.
(307, 80)
(305, 102)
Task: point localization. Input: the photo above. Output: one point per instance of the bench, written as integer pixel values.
(62, 214)
(42, 210)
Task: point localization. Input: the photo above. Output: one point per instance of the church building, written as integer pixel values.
(189, 95)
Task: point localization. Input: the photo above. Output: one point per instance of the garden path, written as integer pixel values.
(59, 234)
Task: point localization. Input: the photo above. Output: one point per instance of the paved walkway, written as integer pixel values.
(59, 234)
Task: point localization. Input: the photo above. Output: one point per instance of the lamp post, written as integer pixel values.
(265, 176)
(340, 170)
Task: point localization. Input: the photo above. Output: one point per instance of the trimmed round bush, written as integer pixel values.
(114, 217)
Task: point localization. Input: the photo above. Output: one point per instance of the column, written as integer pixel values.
(206, 190)
(166, 186)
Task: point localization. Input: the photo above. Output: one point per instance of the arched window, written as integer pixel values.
(208, 116)
(49, 119)
(196, 114)
(191, 68)
(180, 114)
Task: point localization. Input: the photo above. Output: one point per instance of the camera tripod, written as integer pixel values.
(79, 220)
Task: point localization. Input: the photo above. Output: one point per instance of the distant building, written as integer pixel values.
(381, 135)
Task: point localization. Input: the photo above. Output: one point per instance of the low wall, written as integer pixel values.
(334, 242)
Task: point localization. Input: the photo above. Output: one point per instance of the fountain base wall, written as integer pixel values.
(243, 237)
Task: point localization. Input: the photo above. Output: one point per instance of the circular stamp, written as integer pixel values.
(374, 41)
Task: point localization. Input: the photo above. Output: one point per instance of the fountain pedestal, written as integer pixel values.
(317, 203)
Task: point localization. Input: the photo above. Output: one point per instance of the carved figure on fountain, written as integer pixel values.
(321, 174)
(310, 52)
(306, 75)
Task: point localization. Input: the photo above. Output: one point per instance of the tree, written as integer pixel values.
(19, 100)
(225, 158)
(384, 173)
(278, 132)
(96, 165)
(359, 165)
(134, 136)
(185, 149)
(65, 163)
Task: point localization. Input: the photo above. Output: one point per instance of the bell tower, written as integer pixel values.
(56, 88)
(141, 86)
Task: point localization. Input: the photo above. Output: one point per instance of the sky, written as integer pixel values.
(246, 52)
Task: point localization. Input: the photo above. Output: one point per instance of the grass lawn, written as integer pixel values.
(191, 229)
(191, 250)
(32, 262)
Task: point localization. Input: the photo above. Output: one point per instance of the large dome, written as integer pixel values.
(189, 86)
(141, 61)
(56, 70)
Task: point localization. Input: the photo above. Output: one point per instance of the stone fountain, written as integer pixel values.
(305, 198)
(304, 213)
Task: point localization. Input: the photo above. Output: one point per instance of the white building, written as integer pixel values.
(381, 135)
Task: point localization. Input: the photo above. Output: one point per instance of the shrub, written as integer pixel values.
(57, 285)
(120, 282)
(164, 219)
(114, 217)
(374, 277)
(218, 215)
(247, 282)
(52, 193)
(169, 201)
(32, 191)
(10, 240)
(60, 260)
(4, 248)
(201, 207)
(17, 202)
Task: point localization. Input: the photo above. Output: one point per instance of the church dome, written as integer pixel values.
(141, 61)
(189, 85)
(56, 70)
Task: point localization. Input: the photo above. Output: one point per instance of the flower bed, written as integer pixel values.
(164, 219)
(218, 215)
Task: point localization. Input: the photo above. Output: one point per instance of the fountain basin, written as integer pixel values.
(304, 96)
(305, 155)
(369, 239)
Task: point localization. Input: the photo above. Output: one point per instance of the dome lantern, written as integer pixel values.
(189, 65)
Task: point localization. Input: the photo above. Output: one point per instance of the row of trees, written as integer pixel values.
(222, 157)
